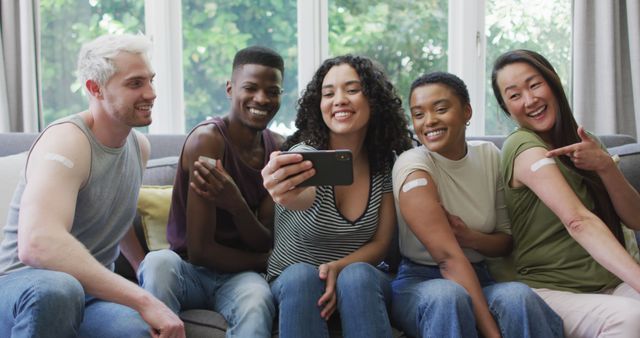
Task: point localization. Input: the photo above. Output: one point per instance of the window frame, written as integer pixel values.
(163, 24)
(163, 19)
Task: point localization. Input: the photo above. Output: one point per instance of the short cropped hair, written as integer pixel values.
(454, 83)
(95, 60)
(258, 55)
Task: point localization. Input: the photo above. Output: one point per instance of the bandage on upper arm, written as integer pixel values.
(415, 183)
(535, 166)
(60, 159)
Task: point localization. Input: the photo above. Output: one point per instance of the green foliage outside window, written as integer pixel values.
(407, 37)
(213, 31)
(64, 26)
(543, 26)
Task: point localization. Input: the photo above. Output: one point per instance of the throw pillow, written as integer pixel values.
(10, 169)
(153, 206)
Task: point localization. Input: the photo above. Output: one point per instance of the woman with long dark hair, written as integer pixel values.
(329, 239)
(566, 199)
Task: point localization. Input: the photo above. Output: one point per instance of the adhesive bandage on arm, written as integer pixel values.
(418, 182)
(541, 163)
(208, 160)
(60, 159)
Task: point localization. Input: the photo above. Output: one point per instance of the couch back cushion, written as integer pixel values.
(629, 162)
(10, 168)
(13, 143)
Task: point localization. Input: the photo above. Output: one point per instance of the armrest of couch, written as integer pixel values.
(629, 165)
(629, 162)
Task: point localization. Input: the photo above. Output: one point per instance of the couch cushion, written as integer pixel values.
(163, 145)
(10, 168)
(615, 140)
(13, 143)
(153, 207)
(203, 323)
(161, 171)
(629, 162)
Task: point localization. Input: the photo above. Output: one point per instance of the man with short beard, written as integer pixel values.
(75, 202)
(221, 219)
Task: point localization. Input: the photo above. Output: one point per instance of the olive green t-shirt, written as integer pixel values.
(546, 256)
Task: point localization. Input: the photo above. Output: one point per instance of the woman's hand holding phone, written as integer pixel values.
(282, 175)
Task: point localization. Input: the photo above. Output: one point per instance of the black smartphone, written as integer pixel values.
(333, 167)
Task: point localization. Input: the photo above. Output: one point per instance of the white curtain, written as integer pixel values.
(606, 65)
(20, 104)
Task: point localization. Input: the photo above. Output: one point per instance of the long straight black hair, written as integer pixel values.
(564, 132)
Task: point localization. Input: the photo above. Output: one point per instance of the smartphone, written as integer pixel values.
(333, 167)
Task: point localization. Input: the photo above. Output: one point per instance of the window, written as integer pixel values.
(65, 26)
(212, 33)
(543, 26)
(407, 37)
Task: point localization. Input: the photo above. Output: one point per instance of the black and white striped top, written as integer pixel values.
(321, 233)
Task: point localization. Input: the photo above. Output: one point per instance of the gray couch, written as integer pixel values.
(161, 171)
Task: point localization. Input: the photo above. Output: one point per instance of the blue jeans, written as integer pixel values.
(363, 294)
(427, 305)
(243, 299)
(45, 303)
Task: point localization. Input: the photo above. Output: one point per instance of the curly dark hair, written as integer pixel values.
(387, 131)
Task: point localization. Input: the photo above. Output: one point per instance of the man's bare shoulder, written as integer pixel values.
(62, 151)
(204, 140)
(65, 139)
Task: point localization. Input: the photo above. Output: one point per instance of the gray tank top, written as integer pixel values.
(105, 206)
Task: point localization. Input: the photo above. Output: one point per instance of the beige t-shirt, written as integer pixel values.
(470, 188)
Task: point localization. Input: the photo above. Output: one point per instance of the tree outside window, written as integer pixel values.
(543, 26)
(407, 37)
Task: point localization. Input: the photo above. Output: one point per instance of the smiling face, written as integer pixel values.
(345, 109)
(528, 98)
(439, 119)
(128, 95)
(255, 92)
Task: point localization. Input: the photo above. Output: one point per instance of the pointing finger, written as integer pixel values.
(568, 150)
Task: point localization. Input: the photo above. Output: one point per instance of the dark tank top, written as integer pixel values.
(248, 180)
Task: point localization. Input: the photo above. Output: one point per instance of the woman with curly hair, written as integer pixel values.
(328, 239)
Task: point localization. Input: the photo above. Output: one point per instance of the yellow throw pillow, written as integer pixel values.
(153, 206)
